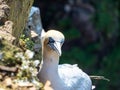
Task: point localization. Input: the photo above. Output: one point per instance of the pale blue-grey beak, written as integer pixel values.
(56, 46)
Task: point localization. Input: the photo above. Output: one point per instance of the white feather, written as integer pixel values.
(74, 78)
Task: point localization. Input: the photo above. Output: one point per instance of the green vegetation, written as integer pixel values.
(9, 51)
(105, 52)
(26, 42)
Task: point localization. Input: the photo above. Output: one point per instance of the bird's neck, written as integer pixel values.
(49, 71)
(50, 60)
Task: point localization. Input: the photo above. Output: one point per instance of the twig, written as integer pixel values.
(9, 69)
(99, 78)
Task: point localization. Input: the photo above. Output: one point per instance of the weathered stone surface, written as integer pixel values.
(34, 21)
(4, 11)
(25, 84)
(6, 25)
(6, 31)
(8, 82)
(34, 29)
(17, 12)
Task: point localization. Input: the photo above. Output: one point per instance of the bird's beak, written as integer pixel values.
(56, 46)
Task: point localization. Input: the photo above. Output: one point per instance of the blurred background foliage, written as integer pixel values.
(92, 32)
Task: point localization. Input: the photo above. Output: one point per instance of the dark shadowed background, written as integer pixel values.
(92, 32)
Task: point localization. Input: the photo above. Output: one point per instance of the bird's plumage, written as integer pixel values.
(74, 78)
(60, 77)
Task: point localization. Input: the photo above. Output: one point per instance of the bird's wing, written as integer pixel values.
(74, 77)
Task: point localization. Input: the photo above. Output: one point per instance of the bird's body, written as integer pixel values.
(74, 78)
(59, 77)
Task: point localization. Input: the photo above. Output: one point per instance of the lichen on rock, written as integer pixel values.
(8, 51)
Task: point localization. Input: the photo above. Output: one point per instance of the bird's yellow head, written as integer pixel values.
(53, 41)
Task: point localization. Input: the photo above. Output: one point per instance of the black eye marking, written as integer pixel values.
(51, 40)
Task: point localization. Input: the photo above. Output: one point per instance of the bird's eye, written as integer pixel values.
(51, 40)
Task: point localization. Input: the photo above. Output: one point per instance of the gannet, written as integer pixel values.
(55, 76)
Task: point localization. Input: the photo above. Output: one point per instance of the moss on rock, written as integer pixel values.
(8, 51)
